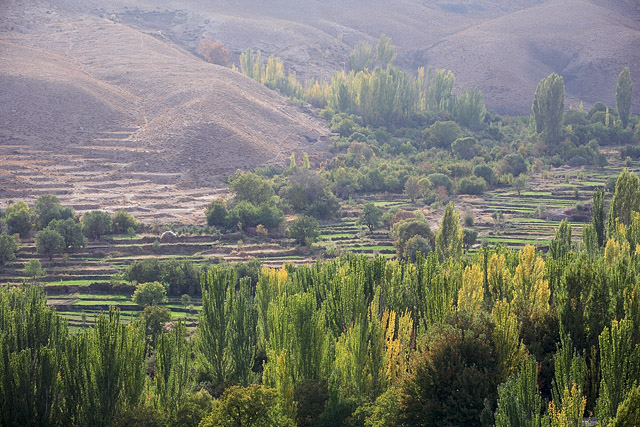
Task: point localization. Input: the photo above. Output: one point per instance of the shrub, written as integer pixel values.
(8, 248)
(193, 409)
(485, 172)
(371, 216)
(71, 232)
(306, 191)
(472, 185)
(150, 293)
(467, 219)
(18, 218)
(404, 230)
(513, 164)
(183, 277)
(441, 180)
(255, 405)
(49, 242)
(417, 244)
(97, 224)
(123, 221)
(48, 208)
(575, 117)
(251, 188)
(441, 134)
(311, 398)
(465, 148)
(155, 318)
(469, 238)
(632, 151)
(214, 52)
(33, 269)
(216, 213)
(304, 230)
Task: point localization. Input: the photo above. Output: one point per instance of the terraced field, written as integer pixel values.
(100, 172)
(88, 281)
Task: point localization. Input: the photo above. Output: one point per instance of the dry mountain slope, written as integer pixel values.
(585, 43)
(502, 47)
(88, 101)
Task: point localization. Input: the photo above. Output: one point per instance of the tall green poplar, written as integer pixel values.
(449, 236)
(624, 92)
(548, 108)
(620, 367)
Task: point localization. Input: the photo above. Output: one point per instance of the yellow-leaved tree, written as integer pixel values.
(506, 335)
(572, 409)
(531, 291)
(499, 278)
(397, 337)
(471, 294)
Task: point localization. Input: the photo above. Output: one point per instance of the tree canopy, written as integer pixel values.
(624, 95)
(548, 108)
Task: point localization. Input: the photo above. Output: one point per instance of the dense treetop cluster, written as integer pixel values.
(500, 337)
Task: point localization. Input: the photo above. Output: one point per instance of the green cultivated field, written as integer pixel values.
(530, 217)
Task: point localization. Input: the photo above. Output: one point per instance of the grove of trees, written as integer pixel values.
(394, 130)
(386, 342)
(499, 337)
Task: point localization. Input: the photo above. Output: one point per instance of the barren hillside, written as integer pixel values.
(502, 47)
(86, 101)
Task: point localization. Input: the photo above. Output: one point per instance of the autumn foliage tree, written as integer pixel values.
(214, 52)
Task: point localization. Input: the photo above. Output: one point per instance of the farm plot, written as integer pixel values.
(81, 284)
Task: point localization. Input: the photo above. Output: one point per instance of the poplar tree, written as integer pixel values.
(597, 217)
(360, 56)
(172, 371)
(626, 199)
(531, 290)
(509, 348)
(561, 244)
(32, 337)
(499, 277)
(449, 236)
(624, 91)
(385, 51)
(548, 108)
(471, 294)
(570, 413)
(570, 370)
(629, 410)
(212, 333)
(103, 372)
(571, 295)
(226, 335)
(243, 319)
(519, 402)
(620, 367)
(469, 108)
